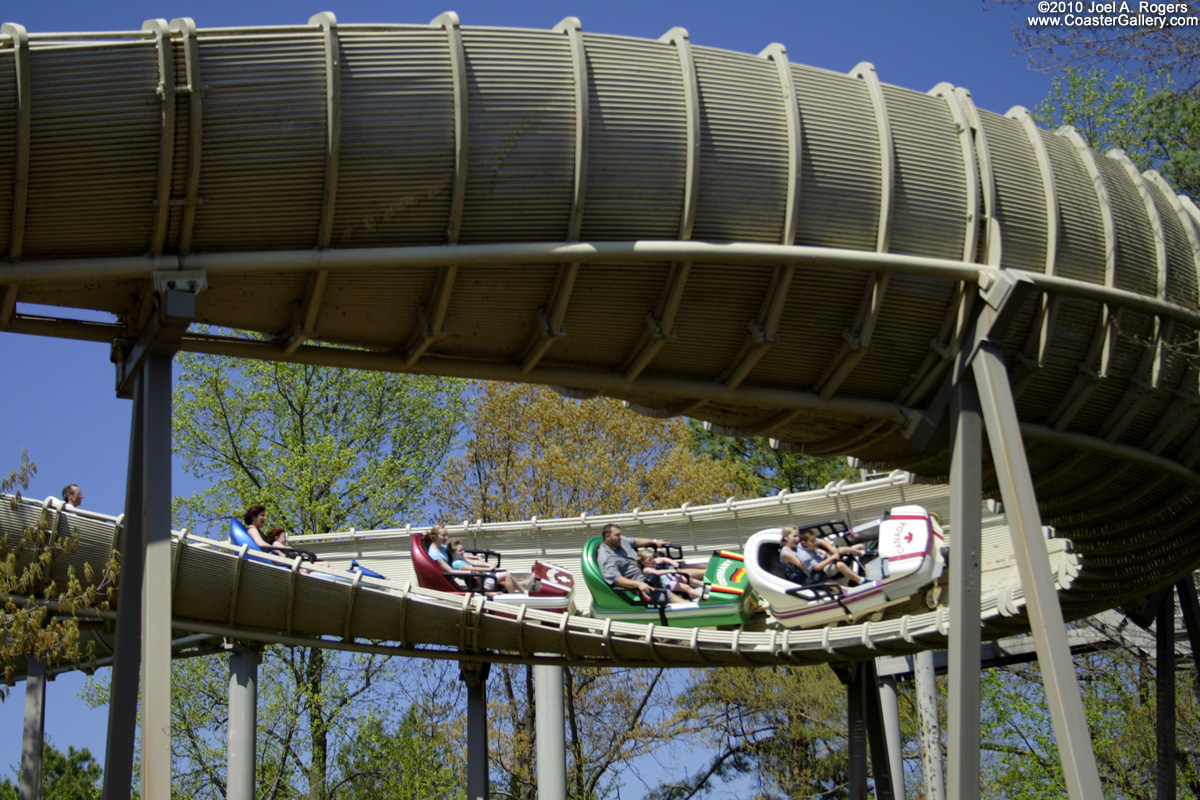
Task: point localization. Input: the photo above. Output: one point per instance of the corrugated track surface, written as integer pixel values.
(214, 591)
(774, 248)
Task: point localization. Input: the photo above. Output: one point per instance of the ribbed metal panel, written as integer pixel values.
(718, 302)
(103, 95)
(396, 167)
(386, 299)
(743, 197)
(8, 144)
(179, 165)
(1136, 270)
(481, 306)
(636, 147)
(598, 336)
(110, 296)
(912, 315)
(1020, 204)
(264, 141)
(839, 184)
(1080, 252)
(1181, 259)
(521, 142)
(929, 196)
(246, 304)
(804, 343)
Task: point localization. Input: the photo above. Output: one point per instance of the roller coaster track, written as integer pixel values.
(773, 248)
(215, 591)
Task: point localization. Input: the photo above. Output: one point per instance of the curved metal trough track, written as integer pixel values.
(776, 249)
(212, 587)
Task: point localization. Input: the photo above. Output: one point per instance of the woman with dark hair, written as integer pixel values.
(255, 519)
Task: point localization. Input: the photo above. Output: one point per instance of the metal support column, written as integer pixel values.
(963, 661)
(856, 733)
(1188, 604)
(243, 722)
(475, 677)
(866, 728)
(156, 580)
(1045, 615)
(127, 653)
(930, 735)
(32, 744)
(143, 373)
(1164, 696)
(876, 735)
(551, 732)
(889, 709)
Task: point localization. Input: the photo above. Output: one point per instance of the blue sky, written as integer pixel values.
(56, 396)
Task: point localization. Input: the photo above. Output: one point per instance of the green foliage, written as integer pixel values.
(350, 688)
(1158, 128)
(762, 470)
(532, 452)
(40, 615)
(784, 728)
(73, 775)
(1020, 757)
(405, 760)
(322, 448)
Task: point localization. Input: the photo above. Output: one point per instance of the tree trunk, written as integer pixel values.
(318, 727)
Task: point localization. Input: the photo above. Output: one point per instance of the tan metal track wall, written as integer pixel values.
(321, 140)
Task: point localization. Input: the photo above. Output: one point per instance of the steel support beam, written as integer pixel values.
(1033, 566)
(33, 741)
(127, 654)
(866, 729)
(1164, 697)
(475, 677)
(551, 732)
(963, 653)
(243, 722)
(1190, 607)
(889, 709)
(856, 735)
(929, 730)
(156, 580)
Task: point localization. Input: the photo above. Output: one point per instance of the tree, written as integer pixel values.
(763, 470)
(40, 616)
(73, 775)
(531, 452)
(404, 761)
(324, 449)
(1150, 51)
(1118, 684)
(1157, 129)
(784, 727)
(321, 448)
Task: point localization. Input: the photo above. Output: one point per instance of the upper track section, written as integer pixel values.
(775, 248)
